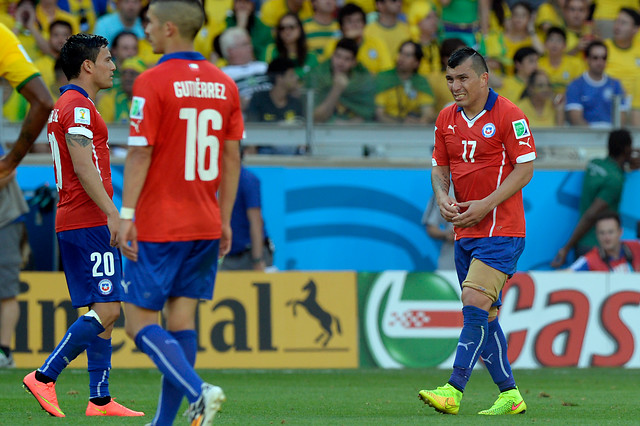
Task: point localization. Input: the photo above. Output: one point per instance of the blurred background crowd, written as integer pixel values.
(563, 62)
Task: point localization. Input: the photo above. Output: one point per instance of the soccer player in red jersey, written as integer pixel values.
(86, 226)
(184, 147)
(484, 145)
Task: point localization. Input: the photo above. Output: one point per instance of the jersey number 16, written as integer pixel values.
(199, 143)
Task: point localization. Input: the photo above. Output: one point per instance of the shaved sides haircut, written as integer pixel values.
(186, 15)
(464, 53)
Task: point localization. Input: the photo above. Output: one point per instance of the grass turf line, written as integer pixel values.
(346, 397)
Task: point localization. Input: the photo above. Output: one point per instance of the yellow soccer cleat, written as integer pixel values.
(445, 399)
(509, 402)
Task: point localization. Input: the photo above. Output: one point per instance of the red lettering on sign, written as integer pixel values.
(574, 327)
(617, 329)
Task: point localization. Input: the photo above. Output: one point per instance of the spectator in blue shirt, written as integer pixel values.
(590, 98)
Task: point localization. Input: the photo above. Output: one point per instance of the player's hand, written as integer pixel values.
(128, 239)
(448, 208)
(225, 240)
(113, 223)
(560, 258)
(476, 210)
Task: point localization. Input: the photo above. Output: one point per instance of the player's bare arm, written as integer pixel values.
(440, 182)
(136, 168)
(228, 190)
(81, 152)
(478, 209)
(40, 101)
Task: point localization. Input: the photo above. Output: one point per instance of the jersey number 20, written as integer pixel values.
(201, 147)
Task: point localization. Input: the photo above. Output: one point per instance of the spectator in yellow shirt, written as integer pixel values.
(372, 52)
(623, 57)
(539, 104)
(424, 27)
(272, 10)
(59, 32)
(388, 27)
(579, 31)
(561, 68)
(525, 62)
(323, 26)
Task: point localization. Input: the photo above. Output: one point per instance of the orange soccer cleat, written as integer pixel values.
(44, 393)
(111, 409)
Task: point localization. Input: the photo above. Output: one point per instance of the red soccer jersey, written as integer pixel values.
(481, 153)
(75, 113)
(185, 108)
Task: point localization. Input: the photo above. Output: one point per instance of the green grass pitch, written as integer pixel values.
(347, 397)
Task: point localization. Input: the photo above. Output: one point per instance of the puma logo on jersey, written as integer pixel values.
(453, 128)
(136, 125)
(525, 143)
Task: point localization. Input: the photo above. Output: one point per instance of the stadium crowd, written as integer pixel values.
(562, 61)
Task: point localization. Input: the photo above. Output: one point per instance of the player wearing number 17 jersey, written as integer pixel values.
(484, 145)
(184, 147)
(86, 227)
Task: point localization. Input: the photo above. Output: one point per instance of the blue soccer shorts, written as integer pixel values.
(172, 269)
(500, 253)
(92, 267)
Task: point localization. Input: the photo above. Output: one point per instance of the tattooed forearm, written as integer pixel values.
(439, 181)
(77, 140)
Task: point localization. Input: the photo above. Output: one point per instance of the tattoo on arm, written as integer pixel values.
(77, 140)
(442, 183)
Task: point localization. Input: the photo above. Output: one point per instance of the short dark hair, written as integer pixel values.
(609, 214)
(556, 30)
(595, 43)
(60, 22)
(417, 49)
(619, 141)
(523, 52)
(279, 66)
(121, 34)
(633, 13)
(350, 9)
(477, 61)
(79, 48)
(348, 44)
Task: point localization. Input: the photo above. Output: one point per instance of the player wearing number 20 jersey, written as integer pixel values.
(185, 108)
(75, 113)
(480, 153)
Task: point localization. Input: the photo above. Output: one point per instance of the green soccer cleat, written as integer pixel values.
(445, 399)
(509, 402)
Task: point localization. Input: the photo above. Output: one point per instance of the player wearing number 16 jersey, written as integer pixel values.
(184, 148)
(484, 145)
(86, 226)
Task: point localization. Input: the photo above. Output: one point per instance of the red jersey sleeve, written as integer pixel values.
(517, 139)
(440, 156)
(144, 114)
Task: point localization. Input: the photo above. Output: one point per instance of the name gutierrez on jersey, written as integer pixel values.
(199, 89)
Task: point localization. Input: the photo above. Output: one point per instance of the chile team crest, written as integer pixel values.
(105, 287)
(488, 130)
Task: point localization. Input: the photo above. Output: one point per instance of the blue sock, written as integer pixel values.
(98, 365)
(170, 395)
(78, 337)
(470, 345)
(170, 359)
(495, 358)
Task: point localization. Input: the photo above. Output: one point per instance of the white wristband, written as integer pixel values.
(126, 213)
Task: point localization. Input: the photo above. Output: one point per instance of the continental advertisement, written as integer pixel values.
(550, 319)
(256, 320)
